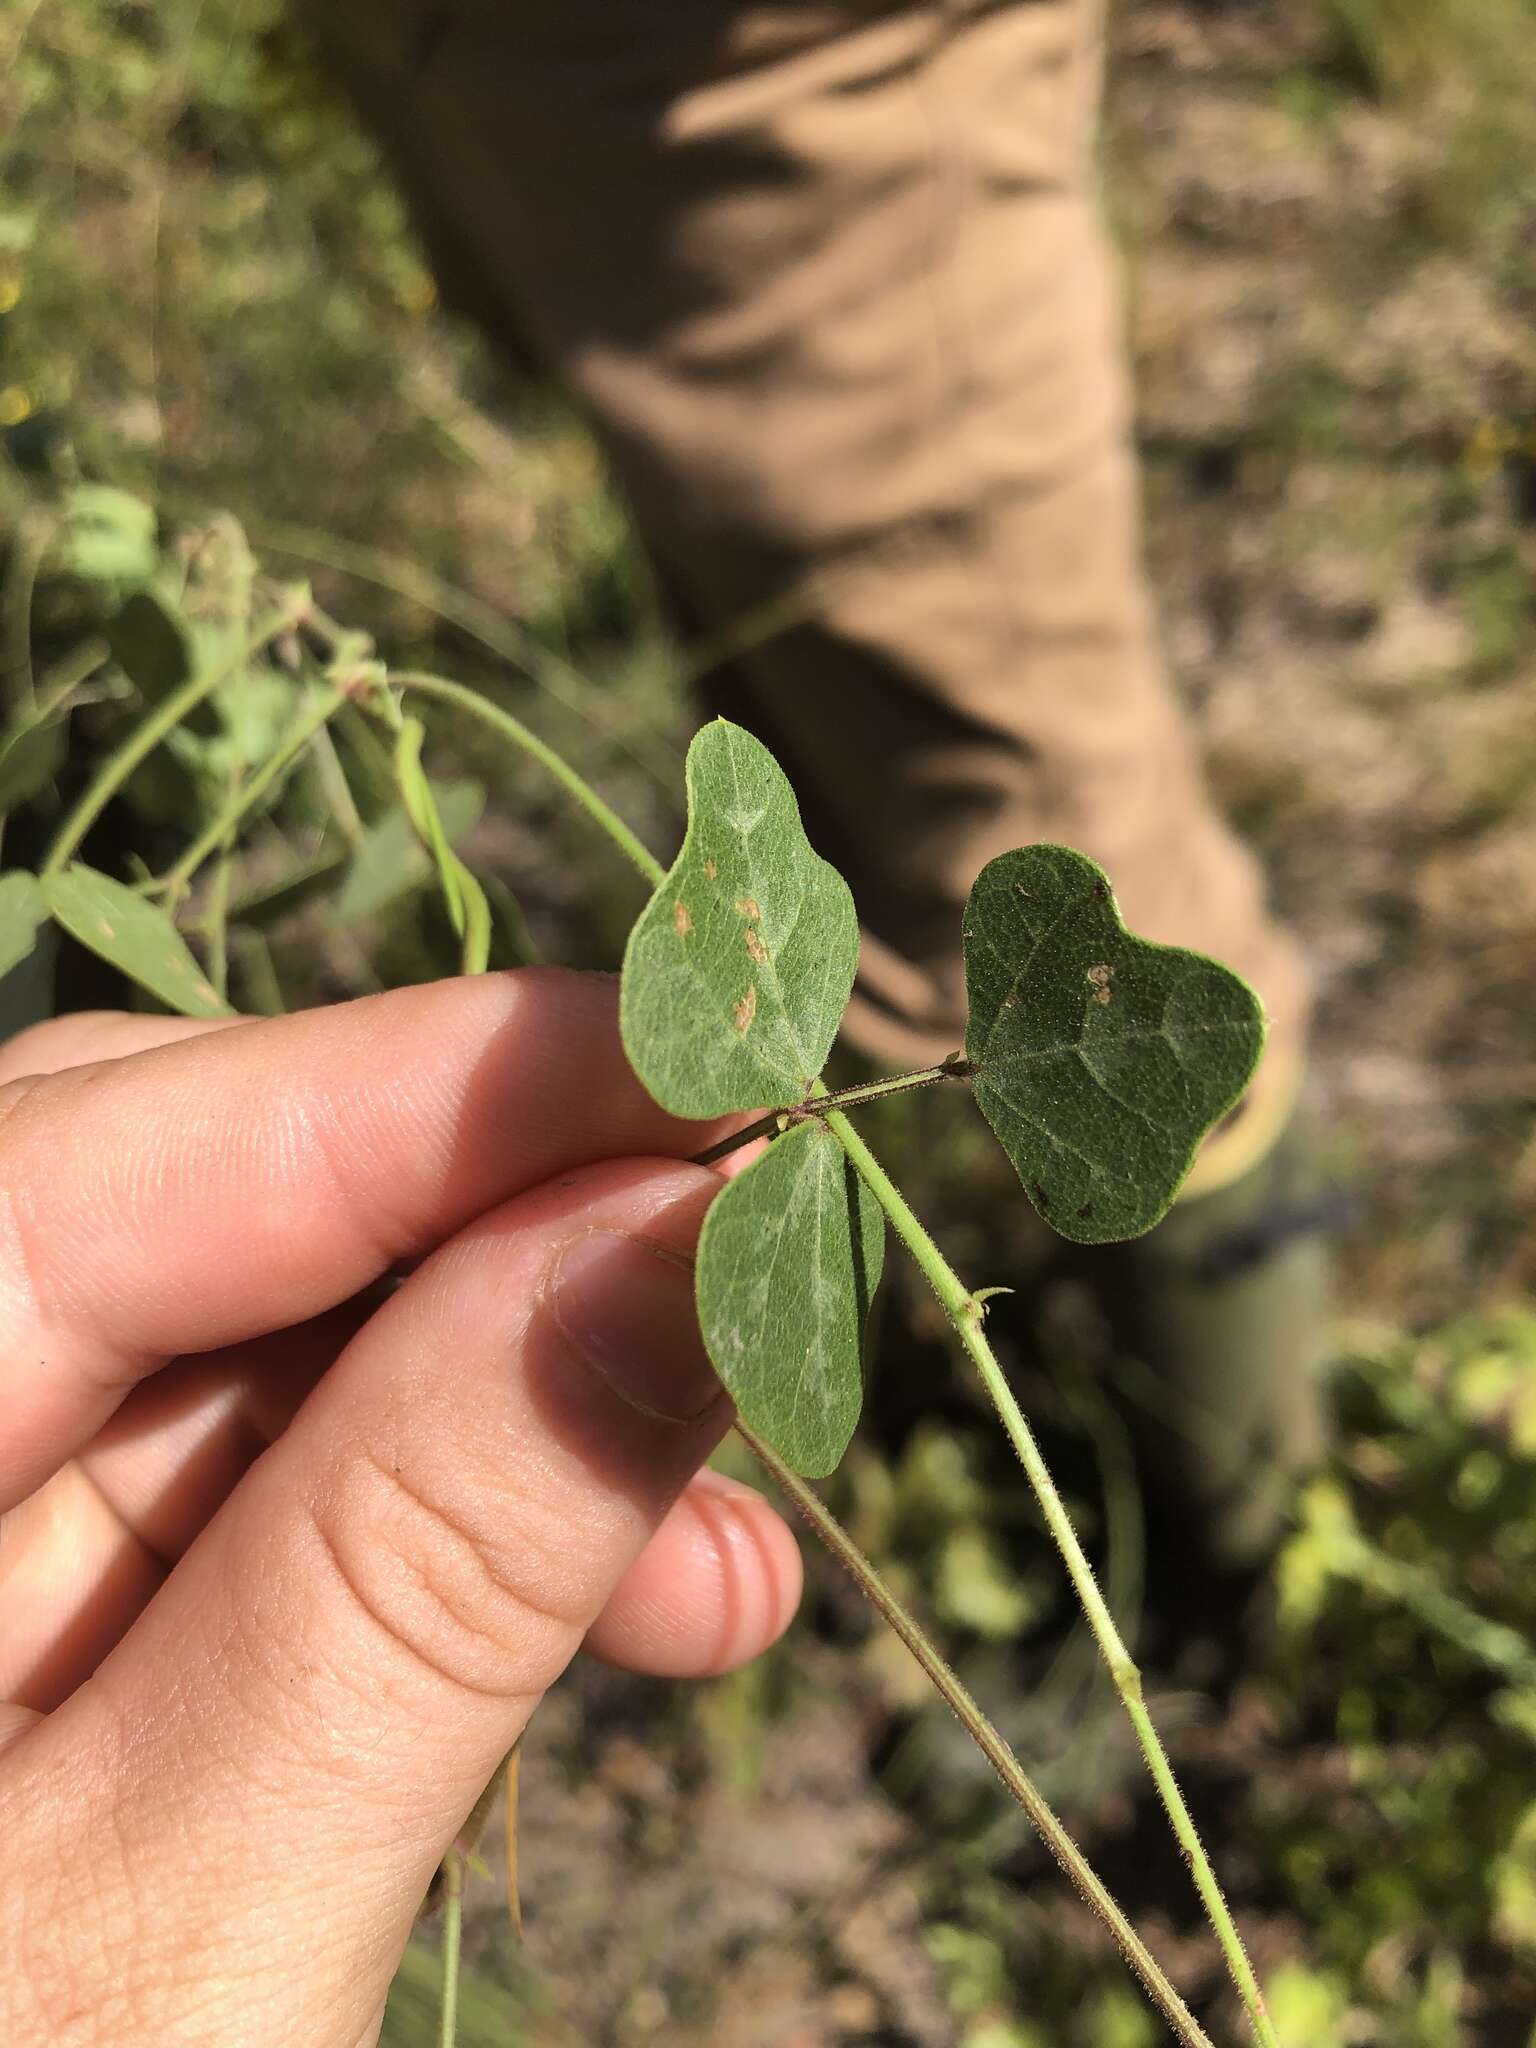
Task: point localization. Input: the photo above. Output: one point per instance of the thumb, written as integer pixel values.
(299, 1723)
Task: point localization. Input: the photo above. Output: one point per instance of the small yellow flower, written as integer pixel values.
(15, 405)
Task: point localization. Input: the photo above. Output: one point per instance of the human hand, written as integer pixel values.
(271, 1612)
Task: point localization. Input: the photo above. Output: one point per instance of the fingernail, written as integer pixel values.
(627, 1307)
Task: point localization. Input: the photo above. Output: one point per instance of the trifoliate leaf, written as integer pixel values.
(134, 936)
(1101, 1059)
(740, 967)
(789, 1256)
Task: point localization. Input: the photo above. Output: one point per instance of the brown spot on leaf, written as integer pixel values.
(710, 869)
(682, 923)
(747, 905)
(755, 946)
(106, 930)
(1101, 976)
(746, 1009)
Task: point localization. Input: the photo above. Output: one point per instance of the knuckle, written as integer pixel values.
(455, 1601)
(25, 1283)
(36, 1050)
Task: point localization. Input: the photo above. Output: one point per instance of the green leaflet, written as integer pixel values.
(133, 936)
(789, 1256)
(108, 536)
(739, 969)
(30, 757)
(390, 860)
(1102, 1059)
(152, 643)
(22, 910)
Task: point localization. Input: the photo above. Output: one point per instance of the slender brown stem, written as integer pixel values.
(776, 1120)
(1016, 1780)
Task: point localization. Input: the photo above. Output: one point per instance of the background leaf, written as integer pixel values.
(390, 859)
(22, 910)
(152, 643)
(133, 936)
(30, 757)
(1102, 1059)
(108, 536)
(790, 1254)
(739, 969)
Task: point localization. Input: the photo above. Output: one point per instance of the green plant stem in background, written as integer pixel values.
(966, 1312)
(513, 729)
(473, 617)
(31, 545)
(244, 799)
(947, 1683)
(218, 925)
(1492, 1643)
(338, 795)
(164, 719)
(66, 676)
(453, 1931)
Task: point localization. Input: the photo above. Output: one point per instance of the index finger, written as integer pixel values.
(240, 1181)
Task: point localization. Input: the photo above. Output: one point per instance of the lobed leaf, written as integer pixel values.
(739, 969)
(133, 936)
(789, 1256)
(1102, 1059)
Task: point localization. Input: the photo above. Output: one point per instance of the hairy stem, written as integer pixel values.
(1016, 1780)
(453, 1930)
(513, 729)
(775, 1120)
(243, 800)
(966, 1313)
(147, 735)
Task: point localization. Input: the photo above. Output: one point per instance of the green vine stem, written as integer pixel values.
(1016, 1780)
(218, 926)
(512, 729)
(475, 619)
(244, 799)
(165, 717)
(453, 1934)
(966, 1312)
(66, 676)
